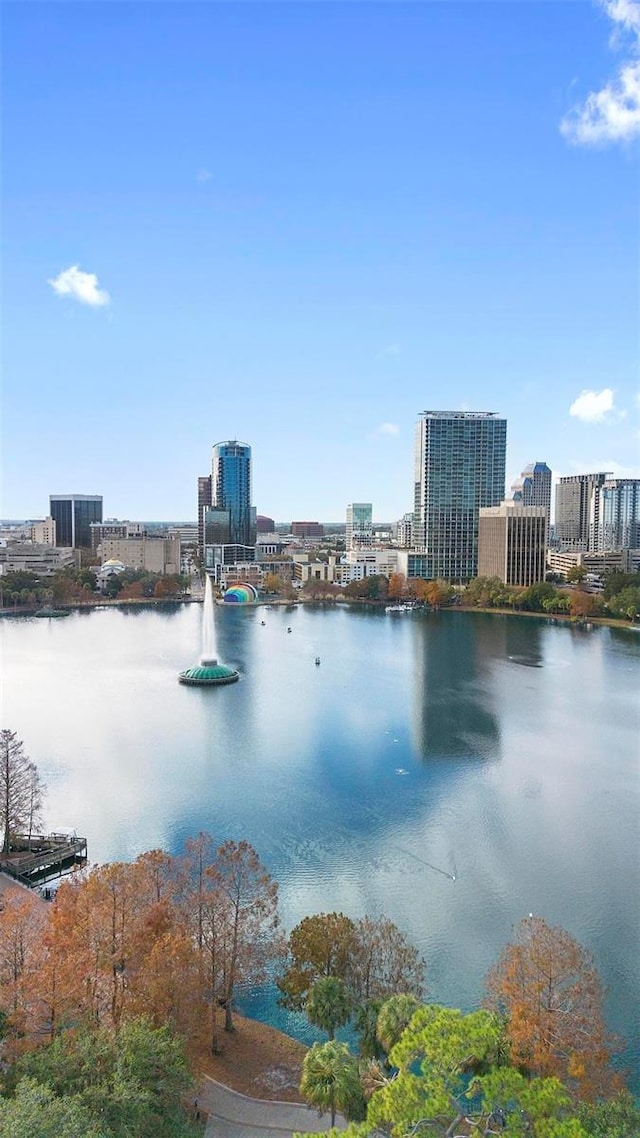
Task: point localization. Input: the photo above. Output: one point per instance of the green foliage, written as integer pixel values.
(373, 588)
(35, 1112)
(330, 1080)
(626, 603)
(366, 1024)
(618, 1118)
(328, 1004)
(614, 583)
(318, 946)
(129, 1084)
(395, 1016)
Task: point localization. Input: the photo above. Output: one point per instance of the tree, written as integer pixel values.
(319, 946)
(124, 1084)
(618, 1118)
(394, 1017)
(397, 586)
(328, 1004)
(436, 1091)
(576, 574)
(330, 1080)
(21, 791)
(546, 985)
(250, 940)
(583, 604)
(382, 962)
(35, 1112)
(366, 1024)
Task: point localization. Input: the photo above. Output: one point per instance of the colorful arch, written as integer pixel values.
(241, 594)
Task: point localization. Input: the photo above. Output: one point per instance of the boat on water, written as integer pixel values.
(398, 608)
(44, 612)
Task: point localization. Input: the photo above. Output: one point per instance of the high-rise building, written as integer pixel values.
(533, 487)
(619, 514)
(204, 502)
(44, 532)
(359, 528)
(512, 543)
(578, 510)
(73, 515)
(459, 468)
(231, 490)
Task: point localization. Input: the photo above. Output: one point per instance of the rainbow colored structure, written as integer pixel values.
(241, 594)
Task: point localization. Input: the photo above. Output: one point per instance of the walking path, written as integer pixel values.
(232, 1115)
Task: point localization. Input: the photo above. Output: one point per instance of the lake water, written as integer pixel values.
(499, 750)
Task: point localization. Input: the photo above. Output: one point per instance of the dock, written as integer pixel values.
(35, 860)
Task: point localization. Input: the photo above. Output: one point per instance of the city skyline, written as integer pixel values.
(222, 221)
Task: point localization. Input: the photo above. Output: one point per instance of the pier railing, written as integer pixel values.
(41, 857)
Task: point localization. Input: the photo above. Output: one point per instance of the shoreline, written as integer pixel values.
(156, 602)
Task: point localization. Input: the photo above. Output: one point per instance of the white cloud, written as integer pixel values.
(391, 350)
(617, 469)
(592, 406)
(81, 286)
(385, 430)
(204, 175)
(612, 114)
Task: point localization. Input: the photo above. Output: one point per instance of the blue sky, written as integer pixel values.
(300, 225)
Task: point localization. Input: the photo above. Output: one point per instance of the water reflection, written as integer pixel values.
(453, 682)
(303, 762)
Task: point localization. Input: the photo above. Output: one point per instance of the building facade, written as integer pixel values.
(151, 554)
(231, 490)
(73, 515)
(533, 487)
(459, 469)
(359, 527)
(512, 543)
(578, 510)
(307, 529)
(44, 532)
(619, 514)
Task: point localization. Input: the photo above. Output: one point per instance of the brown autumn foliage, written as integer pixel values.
(546, 985)
(164, 937)
(397, 586)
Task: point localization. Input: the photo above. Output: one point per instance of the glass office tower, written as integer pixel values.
(231, 490)
(459, 468)
(73, 515)
(359, 527)
(619, 514)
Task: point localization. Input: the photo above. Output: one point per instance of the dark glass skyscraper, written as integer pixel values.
(459, 467)
(73, 515)
(231, 490)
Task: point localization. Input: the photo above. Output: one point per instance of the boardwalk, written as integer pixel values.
(39, 859)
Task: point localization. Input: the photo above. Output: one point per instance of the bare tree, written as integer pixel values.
(21, 791)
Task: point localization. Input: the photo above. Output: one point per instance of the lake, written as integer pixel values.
(499, 751)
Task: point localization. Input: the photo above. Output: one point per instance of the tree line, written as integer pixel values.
(130, 975)
(24, 589)
(535, 1060)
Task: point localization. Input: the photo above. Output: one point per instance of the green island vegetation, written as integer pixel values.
(114, 994)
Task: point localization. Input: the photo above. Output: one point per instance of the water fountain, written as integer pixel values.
(208, 673)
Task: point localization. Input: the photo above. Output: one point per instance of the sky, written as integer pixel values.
(302, 224)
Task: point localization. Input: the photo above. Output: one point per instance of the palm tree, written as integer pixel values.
(330, 1080)
(328, 1004)
(395, 1015)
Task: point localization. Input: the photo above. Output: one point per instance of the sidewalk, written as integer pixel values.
(232, 1115)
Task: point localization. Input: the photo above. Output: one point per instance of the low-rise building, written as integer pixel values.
(360, 563)
(151, 554)
(45, 560)
(597, 562)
